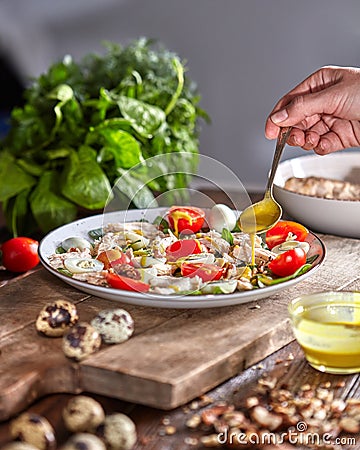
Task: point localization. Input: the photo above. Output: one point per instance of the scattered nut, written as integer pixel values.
(194, 421)
(210, 441)
(266, 419)
(349, 425)
(170, 430)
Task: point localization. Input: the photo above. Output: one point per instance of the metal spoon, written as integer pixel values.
(263, 215)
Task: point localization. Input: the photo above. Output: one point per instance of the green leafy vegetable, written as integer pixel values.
(85, 124)
(267, 281)
(227, 235)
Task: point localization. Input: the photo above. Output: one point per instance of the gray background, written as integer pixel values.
(243, 54)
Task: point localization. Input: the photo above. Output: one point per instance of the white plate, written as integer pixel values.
(81, 227)
(340, 217)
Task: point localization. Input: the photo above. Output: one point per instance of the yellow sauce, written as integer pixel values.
(330, 338)
(252, 241)
(176, 216)
(259, 216)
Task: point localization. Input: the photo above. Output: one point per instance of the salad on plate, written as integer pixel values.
(187, 251)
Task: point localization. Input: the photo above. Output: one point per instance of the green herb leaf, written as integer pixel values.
(83, 181)
(17, 179)
(48, 207)
(227, 235)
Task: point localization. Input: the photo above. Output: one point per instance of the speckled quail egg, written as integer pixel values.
(84, 441)
(83, 413)
(34, 430)
(57, 317)
(118, 432)
(80, 341)
(75, 242)
(18, 446)
(220, 217)
(114, 325)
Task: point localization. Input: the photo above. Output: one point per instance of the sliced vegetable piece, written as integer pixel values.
(137, 241)
(207, 272)
(203, 258)
(285, 230)
(113, 257)
(185, 219)
(288, 262)
(290, 245)
(183, 248)
(127, 284)
(220, 287)
(268, 281)
(82, 265)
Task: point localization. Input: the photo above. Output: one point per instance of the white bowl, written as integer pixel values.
(340, 217)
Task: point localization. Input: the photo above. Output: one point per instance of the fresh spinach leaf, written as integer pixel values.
(17, 180)
(48, 206)
(83, 181)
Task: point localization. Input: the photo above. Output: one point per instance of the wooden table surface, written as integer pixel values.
(164, 430)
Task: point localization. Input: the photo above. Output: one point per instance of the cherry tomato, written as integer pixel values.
(183, 248)
(186, 219)
(125, 283)
(207, 272)
(113, 257)
(20, 254)
(283, 231)
(288, 262)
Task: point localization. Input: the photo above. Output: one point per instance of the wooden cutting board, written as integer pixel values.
(174, 355)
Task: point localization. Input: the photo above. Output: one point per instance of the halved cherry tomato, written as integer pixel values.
(20, 254)
(183, 248)
(125, 283)
(283, 231)
(207, 272)
(113, 257)
(288, 262)
(186, 219)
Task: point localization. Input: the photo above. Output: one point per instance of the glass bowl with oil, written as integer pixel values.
(327, 327)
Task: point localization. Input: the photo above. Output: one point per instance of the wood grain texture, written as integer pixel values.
(174, 355)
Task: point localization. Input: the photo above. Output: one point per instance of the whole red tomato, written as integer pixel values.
(186, 219)
(288, 262)
(284, 230)
(20, 254)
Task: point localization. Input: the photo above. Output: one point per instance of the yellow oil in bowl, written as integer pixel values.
(327, 326)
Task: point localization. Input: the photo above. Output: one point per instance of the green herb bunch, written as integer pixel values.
(83, 125)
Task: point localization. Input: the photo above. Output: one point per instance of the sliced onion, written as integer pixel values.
(204, 258)
(83, 265)
(290, 245)
(220, 287)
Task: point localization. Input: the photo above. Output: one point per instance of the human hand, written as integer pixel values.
(324, 111)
